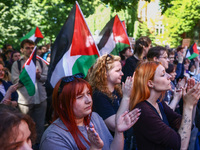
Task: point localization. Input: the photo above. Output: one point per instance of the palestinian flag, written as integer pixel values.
(35, 35)
(28, 75)
(46, 62)
(192, 52)
(113, 37)
(74, 50)
(124, 24)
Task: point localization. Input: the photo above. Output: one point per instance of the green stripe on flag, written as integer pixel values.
(83, 64)
(119, 47)
(28, 35)
(193, 56)
(28, 83)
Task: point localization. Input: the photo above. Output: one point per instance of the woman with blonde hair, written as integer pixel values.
(105, 79)
(157, 125)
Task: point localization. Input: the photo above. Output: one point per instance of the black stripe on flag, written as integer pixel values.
(105, 33)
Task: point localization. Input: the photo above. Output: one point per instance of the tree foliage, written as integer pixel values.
(20, 16)
(181, 18)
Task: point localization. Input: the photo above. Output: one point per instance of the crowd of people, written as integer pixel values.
(145, 98)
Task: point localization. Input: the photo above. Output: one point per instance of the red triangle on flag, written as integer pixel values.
(82, 42)
(38, 33)
(119, 32)
(195, 50)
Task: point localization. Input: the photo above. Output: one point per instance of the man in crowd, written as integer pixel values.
(34, 105)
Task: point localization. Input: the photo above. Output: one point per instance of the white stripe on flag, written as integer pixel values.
(63, 67)
(33, 38)
(109, 46)
(31, 70)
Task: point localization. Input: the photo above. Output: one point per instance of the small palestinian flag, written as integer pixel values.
(28, 75)
(35, 35)
(46, 62)
(113, 37)
(192, 52)
(74, 50)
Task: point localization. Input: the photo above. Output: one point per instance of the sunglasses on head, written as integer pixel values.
(69, 79)
(108, 58)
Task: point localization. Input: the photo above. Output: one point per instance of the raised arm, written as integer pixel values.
(7, 98)
(190, 99)
(124, 105)
(123, 123)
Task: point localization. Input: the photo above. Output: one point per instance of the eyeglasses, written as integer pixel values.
(108, 58)
(29, 48)
(69, 79)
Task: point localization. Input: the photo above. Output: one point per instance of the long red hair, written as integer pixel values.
(143, 73)
(63, 107)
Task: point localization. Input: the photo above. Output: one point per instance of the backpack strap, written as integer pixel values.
(19, 65)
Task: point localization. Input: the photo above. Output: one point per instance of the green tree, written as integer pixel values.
(20, 16)
(143, 30)
(181, 17)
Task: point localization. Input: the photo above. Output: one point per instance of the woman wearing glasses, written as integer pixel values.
(105, 79)
(75, 126)
(157, 125)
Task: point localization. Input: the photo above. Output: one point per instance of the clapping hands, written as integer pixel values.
(95, 140)
(127, 120)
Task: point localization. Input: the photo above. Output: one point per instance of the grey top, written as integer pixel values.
(56, 138)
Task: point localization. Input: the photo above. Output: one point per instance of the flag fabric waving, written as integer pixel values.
(35, 35)
(28, 75)
(113, 37)
(192, 52)
(74, 50)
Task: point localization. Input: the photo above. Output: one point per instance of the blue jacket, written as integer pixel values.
(14, 95)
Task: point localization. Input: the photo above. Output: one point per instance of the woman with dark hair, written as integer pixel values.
(75, 126)
(17, 130)
(159, 54)
(4, 85)
(173, 96)
(15, 55)
(142, 47)
(125, 54)
(157, 125)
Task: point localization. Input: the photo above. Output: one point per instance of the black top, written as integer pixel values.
(105, 106)
(129, 67)
(154, 133)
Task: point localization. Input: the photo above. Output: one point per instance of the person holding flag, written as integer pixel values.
(31, 74)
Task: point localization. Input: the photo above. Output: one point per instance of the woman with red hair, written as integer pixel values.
(155, 127)
(75, 125)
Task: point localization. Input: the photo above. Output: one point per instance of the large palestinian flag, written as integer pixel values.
(192, 52)
(28, 75)
(35, 35)
(113, 37)
(74, 50)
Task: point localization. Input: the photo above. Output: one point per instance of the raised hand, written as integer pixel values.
(9, 102)
(181, 83)
(10, 90)
(192, 95)
(94, 138)
(127, 120)
(127, 87)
